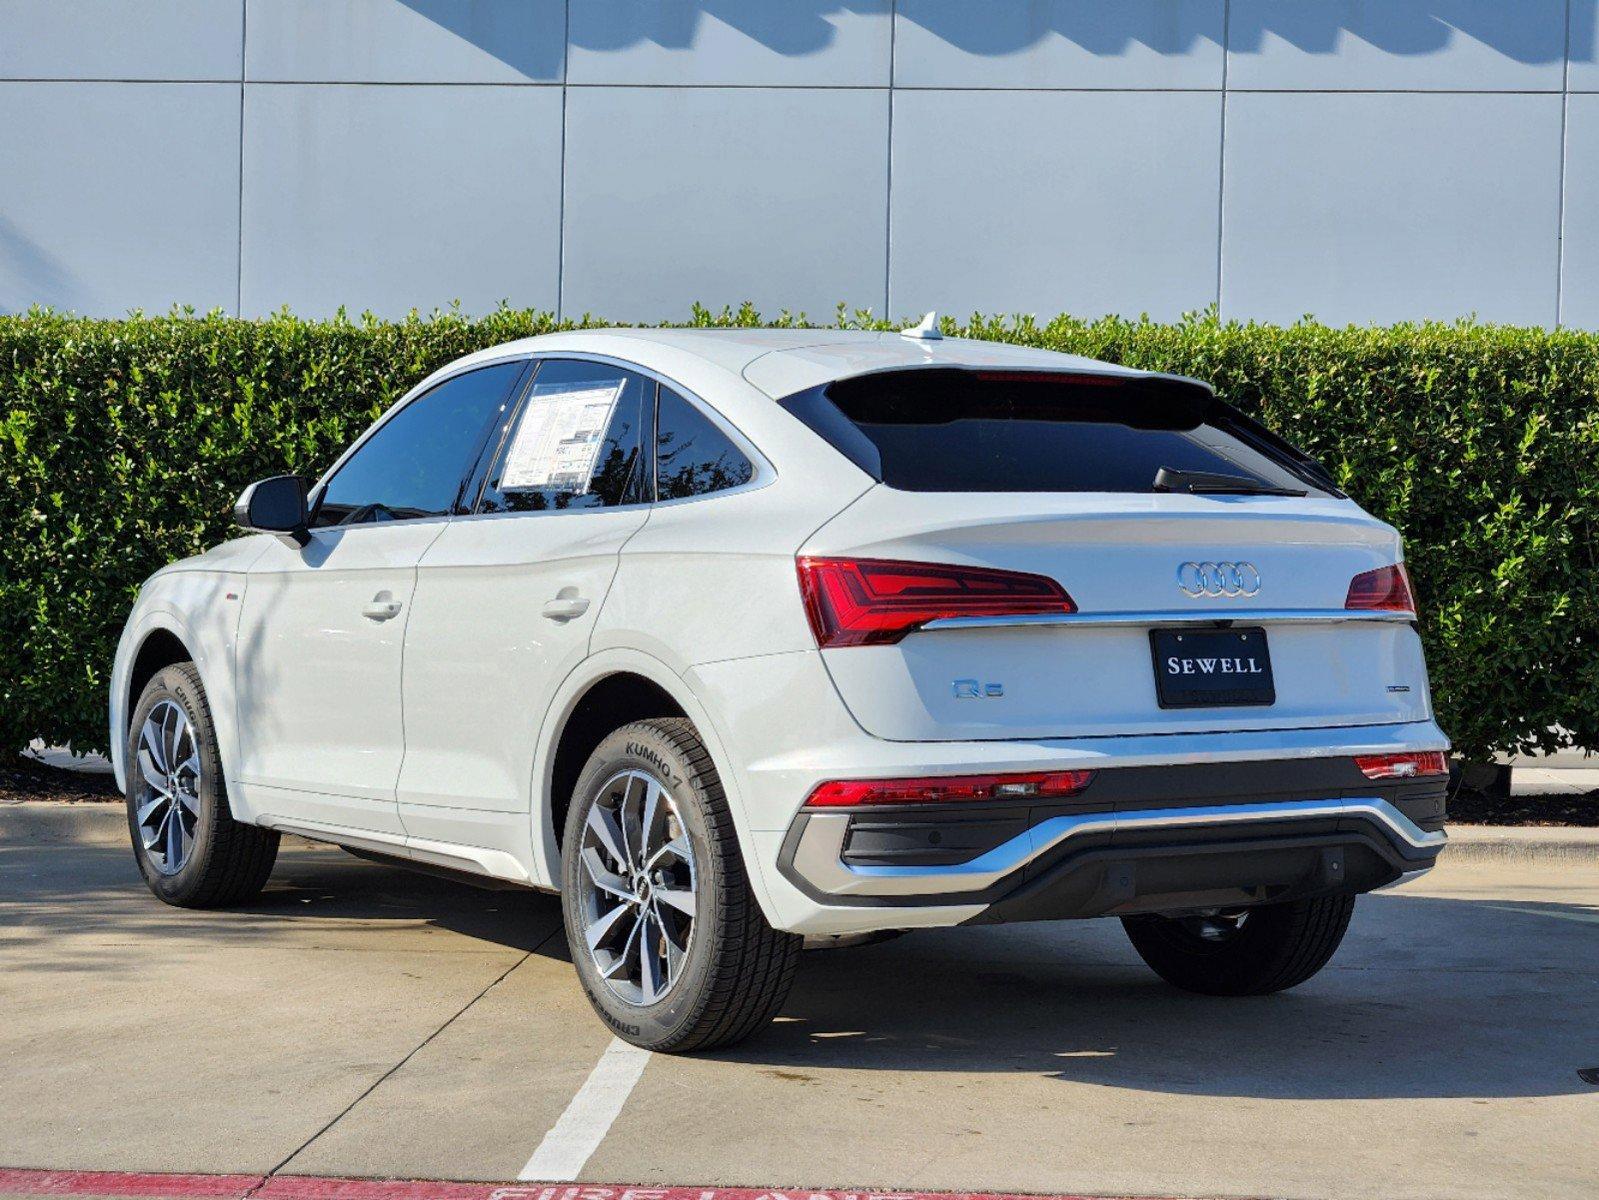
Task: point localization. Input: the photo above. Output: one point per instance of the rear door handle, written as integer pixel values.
(382, 607)
(566, 605)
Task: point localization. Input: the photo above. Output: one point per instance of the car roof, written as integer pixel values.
(781, 362)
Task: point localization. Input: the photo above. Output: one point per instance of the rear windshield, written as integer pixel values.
(950, 430)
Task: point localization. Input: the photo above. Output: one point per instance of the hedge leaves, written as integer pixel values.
(124, 444)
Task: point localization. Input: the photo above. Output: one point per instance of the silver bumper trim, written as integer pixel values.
(1186, 616)
(819, 856)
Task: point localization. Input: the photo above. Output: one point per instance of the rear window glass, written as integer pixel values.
(938, 430)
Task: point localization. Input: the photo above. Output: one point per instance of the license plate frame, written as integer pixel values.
(1246, 682)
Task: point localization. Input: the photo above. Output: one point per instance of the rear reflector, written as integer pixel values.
(1403, 766)
(1042, 785)
(874, 602)
(1385, 588)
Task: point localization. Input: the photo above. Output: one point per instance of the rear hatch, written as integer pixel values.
(1213, 600)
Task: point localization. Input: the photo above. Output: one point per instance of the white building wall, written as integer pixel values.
(1359, 160)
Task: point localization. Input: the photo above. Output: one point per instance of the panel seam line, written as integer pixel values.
(238, 233)
(1560, 202)
(888, 178)
(1221, 165)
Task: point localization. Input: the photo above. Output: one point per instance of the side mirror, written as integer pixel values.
(276, 505)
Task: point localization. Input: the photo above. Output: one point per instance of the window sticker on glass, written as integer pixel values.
(559, 439)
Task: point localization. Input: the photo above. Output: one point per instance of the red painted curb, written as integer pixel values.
(122, 1183)
(310, 1187)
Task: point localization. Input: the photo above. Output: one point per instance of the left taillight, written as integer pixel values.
(1410, 765)
(875, 602)
(947, 789)
(1386, 588)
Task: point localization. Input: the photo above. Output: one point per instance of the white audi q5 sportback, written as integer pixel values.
(738, 637)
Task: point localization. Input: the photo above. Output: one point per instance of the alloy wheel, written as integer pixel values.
(169, 796)
(637, 888)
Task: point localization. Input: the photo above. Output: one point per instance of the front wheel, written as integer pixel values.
(668, 940)
(191, 851)
(1248, 952)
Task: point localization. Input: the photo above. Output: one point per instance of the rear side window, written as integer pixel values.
(692, 456)
(576, 442)
(412, 465)
(951, 430)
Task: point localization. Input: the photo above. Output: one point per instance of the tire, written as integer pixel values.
(210, 860)
(714, 978)
(1272, 948)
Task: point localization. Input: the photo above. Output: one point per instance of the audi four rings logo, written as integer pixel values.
(1198, 579)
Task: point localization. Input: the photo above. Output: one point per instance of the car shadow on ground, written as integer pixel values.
(1428, 998)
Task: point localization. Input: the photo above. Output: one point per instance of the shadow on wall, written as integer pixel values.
(28, 271)
(796, 27)
(509, 31)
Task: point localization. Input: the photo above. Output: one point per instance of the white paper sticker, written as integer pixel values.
(559, 439)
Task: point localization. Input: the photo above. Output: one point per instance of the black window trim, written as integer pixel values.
(426, 388)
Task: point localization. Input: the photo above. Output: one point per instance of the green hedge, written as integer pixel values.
(125, 442)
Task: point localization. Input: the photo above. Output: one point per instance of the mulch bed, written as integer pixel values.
(27, 779)
(1475, 808)
(23, 778)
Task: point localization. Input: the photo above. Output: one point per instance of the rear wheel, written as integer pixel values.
(1247, 952)
(191, 851)
(667, 938)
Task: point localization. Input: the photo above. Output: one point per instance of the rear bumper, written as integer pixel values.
(818, 860)
(1134, 847)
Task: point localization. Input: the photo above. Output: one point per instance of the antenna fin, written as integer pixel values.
(926, 331)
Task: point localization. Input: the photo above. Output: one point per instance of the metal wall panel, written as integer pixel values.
(1403, 45)
(1379, 208)
(1580, 274)
(765, 43)
(1582, 46)
(407, 41)
(121, 39)
(677, 195)
(390, 198)
(1381, 161)
(118, 196)
(1114, 211)
(1059, 44)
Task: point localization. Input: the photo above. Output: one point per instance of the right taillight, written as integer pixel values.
(1402, 766)
(1386, 588)
(874, 602)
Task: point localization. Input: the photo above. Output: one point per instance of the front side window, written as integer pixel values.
(576, 443)
(412, 465)
(692, 456)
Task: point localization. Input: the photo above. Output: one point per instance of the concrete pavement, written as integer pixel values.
(362, 1021)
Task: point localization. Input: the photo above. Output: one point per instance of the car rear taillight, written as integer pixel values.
(874, 602)
(1402, 766)
(1385, 588)
(1040, 785)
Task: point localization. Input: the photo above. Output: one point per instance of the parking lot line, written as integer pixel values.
(573, 1139)
(1590, 917)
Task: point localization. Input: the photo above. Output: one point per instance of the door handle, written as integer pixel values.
(382, 607)
(566, 605)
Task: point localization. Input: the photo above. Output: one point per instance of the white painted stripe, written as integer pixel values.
(1590, 915)
(573, 1139)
